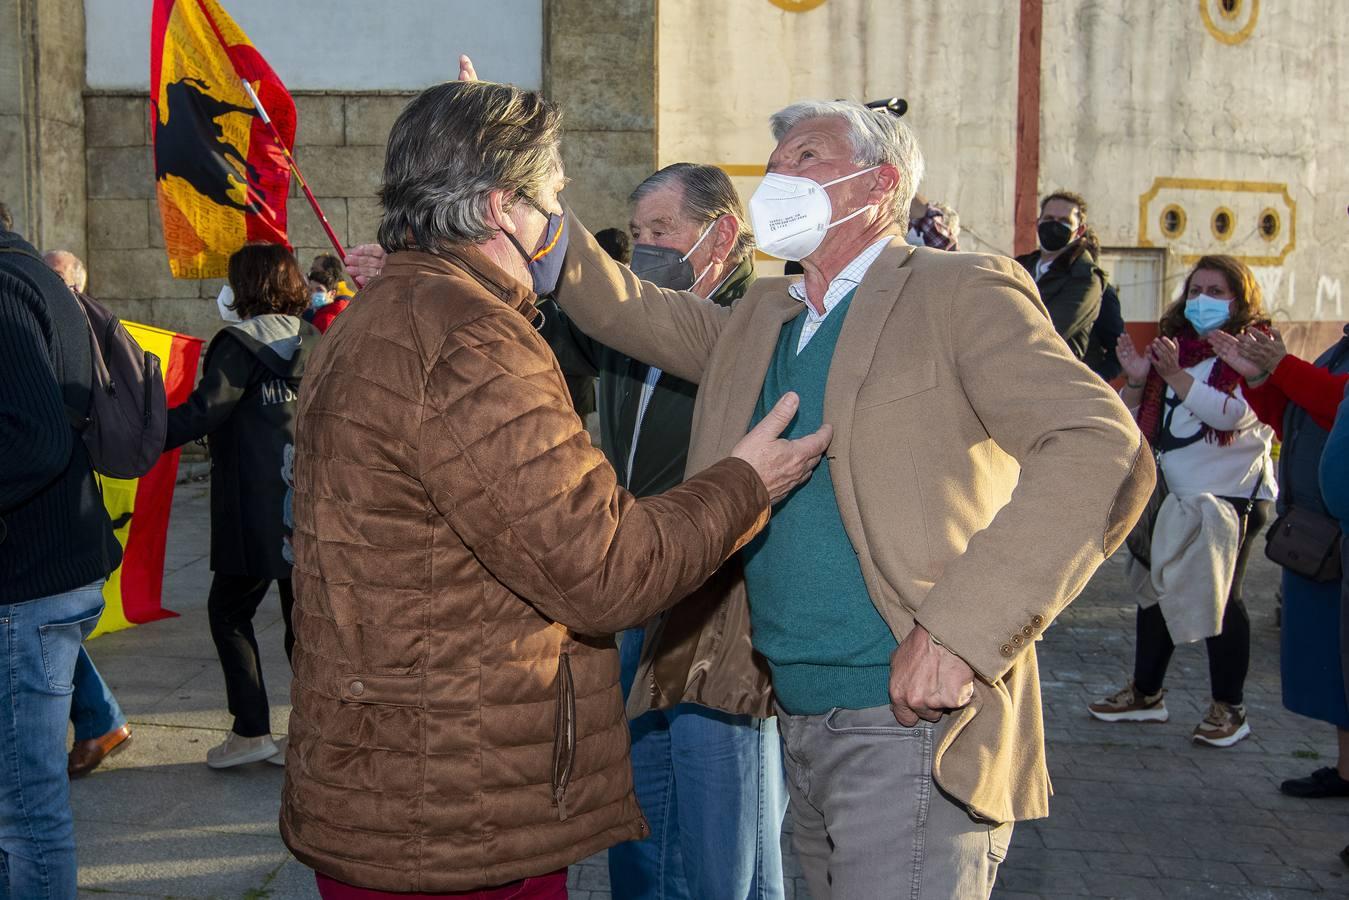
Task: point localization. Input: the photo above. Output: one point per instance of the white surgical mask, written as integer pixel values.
(223, 301)
(790, 214)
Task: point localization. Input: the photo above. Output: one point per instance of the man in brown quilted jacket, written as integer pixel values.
(463, 554)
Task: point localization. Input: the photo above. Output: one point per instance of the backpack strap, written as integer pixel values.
(78, 420)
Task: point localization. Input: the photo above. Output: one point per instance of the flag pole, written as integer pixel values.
(290, 160)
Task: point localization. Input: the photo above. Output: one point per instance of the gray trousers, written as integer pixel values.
(868, 820)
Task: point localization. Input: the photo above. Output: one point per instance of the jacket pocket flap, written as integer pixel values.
(384, 690)
(906, 383)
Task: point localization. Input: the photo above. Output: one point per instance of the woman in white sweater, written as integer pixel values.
(1208, 441)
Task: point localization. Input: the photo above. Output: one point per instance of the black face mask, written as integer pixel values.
(1054, 236)
(662, 267)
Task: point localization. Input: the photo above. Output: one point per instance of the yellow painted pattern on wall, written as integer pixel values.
(1200, 198)
(1232, 27)
(797, 5)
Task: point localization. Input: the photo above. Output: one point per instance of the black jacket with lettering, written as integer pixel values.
(245, 407)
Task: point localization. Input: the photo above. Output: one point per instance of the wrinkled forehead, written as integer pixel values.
(661, 209)
(827, 136)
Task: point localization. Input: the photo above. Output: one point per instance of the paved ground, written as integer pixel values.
(1139, 812)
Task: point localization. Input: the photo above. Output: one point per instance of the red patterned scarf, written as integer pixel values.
(1193, 351)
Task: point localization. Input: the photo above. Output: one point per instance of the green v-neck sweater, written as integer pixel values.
(812, 617)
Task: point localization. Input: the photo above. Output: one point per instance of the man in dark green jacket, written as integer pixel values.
(1065, 270)
(692, 765)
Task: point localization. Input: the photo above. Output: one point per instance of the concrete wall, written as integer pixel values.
(725, 68)
(342, 45)
(1144, 106)
(601, 66)
(339, 146)
(1147, 106)
(42, 120)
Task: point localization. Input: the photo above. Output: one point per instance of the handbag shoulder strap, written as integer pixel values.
(1259, 482)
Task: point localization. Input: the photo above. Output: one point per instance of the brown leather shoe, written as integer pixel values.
(86, 755)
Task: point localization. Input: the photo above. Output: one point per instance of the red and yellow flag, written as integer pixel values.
(139, 507)
(221, 178)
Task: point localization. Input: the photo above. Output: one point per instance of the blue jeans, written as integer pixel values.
(42, 640)
(712, 788)
(94, 711)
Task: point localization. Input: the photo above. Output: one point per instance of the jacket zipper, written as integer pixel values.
(148, 394)
(564, 738)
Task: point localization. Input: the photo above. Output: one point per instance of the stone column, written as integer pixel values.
(600, 65)
(42, 179)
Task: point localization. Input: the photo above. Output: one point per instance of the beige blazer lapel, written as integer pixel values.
(754, 356)
(870, 309)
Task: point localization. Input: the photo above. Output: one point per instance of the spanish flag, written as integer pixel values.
(222, 180)
(139, 507)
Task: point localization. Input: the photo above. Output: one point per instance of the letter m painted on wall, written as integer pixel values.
(1329, 289)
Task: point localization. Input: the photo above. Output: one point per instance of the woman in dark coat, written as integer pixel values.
(245, 408)
(1299, 399)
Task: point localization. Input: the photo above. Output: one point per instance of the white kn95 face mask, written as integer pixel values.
(790, 214)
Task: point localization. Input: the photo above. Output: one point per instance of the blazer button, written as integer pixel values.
(1017, 639)
(357, 688)
(1037, 621)
(1028, 631)
(1005, 649)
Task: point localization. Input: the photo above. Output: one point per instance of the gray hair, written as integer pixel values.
(69, 266)
(951, 218)
(707, 196)
(450, 148)
(877, 137)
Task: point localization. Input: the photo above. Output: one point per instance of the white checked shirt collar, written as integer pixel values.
(843, 282)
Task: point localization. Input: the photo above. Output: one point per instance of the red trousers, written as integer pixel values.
(540, 887)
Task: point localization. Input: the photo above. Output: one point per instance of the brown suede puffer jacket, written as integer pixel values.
(463, 555)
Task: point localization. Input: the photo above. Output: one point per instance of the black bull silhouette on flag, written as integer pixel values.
(190, 143)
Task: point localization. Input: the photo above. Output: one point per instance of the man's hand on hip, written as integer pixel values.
(782, 464)
(926, 679)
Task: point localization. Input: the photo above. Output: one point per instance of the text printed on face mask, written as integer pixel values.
(786, 221)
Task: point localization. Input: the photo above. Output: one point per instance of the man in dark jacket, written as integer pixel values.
(691, 233)
(1105, 334)
(1065, 270)
(56, 548)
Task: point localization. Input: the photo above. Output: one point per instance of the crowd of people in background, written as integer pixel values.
(410, 466)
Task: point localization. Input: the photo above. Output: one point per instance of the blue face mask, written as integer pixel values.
(317, 299)
(545, 263)
(1207, 313)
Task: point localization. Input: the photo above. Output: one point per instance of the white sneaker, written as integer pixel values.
(1224, 725)
(239, 751)
(279, 757)
(1128, 705)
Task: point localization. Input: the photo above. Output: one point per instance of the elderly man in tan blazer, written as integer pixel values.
(978, 476)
